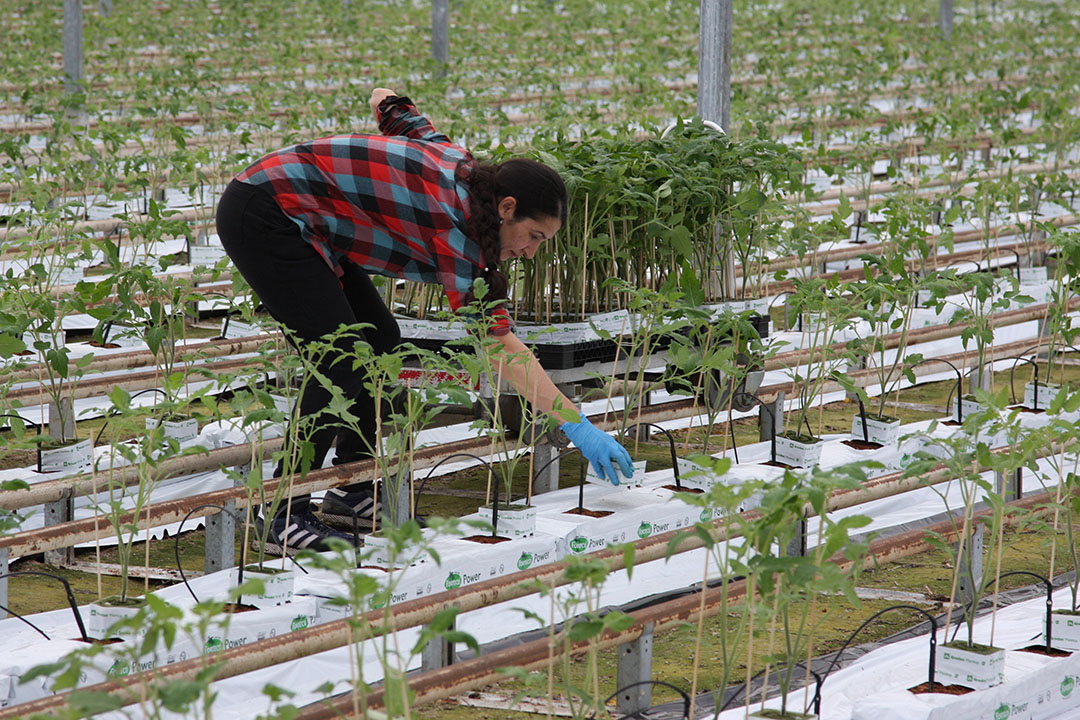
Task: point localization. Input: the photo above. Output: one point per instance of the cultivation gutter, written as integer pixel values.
(301, 643)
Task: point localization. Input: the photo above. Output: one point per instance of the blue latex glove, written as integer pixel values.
(600, 449)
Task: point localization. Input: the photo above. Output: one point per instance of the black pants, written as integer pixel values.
(300, 291)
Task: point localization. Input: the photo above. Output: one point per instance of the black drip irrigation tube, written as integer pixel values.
(1035, 365)
(243, 550)
(959, 385)
(817, 689)
(37, 427)
(671, 446)
(581, 480)
(1049, 599)
(423, 484)
(839, 653)
(114, 412)
(638, 714)
(1012, 371)
(862, 417)
(70, 598)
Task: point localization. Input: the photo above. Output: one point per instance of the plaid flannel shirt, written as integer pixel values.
(391, 204)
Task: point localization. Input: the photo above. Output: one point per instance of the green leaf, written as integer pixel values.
(10, 345)
(86, 704)
(586, 630)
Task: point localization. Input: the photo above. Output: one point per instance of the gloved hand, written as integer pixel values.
(600, 449)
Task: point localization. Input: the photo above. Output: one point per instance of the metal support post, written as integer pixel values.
(1043, 327)
(635, 666)
(4, 568)
(971, 564)
(775, 420)
(221, 539)
(1010, 486)
(438, 653)
(945, 18)
(440, 34)
(56, 513)
(73, 46)
(714, 62)
(546, 455)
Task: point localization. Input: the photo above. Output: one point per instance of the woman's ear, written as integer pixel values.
(506, 208)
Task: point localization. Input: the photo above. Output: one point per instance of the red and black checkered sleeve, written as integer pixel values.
(398, 116)
(456, 274)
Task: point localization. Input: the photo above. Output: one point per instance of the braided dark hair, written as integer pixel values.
(539, 191)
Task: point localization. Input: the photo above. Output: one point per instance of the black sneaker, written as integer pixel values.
(340, 507)
(305, 532)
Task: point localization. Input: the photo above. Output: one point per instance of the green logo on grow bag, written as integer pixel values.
(706, 516)
(525, 561)
(213, 644)
(120, 669)
(453, 580)
(579, 544)
(1002, 713)
(299, 622)
(1067, 686)
(376, 603)
(644, 530)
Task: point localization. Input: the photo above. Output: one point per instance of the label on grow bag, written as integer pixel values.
(232, 329)
(1003, 712)
(453, 581)
(1067, 686)
(119, 669)
(68, 458)
(299, 622)
(579, 544)
(213, 644)
(525, 561)
(644, 530)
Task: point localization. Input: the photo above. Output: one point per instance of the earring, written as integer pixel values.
(500, 221)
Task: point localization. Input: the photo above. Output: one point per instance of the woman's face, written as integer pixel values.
(522, 237)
